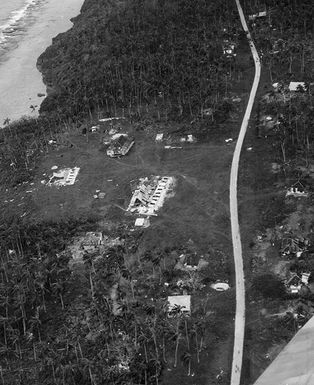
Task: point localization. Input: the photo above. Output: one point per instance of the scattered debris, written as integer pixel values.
(293, 247)
(120, 145)
(257, 15)
(229, 48)
(294, 284)
(159, 137)
(94, 129)
(150, 194)
(179, 304)
(109, 119)
(190, 263)
(208, 111)
(142, 222)
(172, 147)
(64, 177)
(91, 240)
(236, 99)
(268, 122)
(99, 195)
(297, 191)
(188, 138)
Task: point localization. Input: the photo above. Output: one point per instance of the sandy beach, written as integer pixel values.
(20, 81)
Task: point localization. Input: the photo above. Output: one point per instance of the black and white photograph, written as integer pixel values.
(156, 192)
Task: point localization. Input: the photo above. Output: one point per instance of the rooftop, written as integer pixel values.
(181, 301)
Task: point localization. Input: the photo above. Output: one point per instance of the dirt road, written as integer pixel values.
(236, 239)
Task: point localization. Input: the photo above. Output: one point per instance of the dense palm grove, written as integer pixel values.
(132, 53)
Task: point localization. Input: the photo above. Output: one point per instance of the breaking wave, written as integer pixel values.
(16, 24)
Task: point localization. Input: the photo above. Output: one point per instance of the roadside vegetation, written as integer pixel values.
(282, 159)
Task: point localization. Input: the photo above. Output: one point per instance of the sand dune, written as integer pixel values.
(20, 81)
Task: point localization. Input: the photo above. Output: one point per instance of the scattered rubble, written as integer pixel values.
(142, 222)
(257, 15)
(172, 147)
(64, 177)
(159, 137)
(293, 247)
(150, 194)
(110, 119)
(99, 195)
(296, 193)
(188, 138)
(229, 48)
(94, 129)
(91, 241)
(120, 145)
(188, 263)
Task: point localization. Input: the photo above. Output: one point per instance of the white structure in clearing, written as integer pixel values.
(159, 137)
(220, 286)
(142, 222)
(64, 177)
(294, 86)
(257, 15)
(179, 302)
(150, 194)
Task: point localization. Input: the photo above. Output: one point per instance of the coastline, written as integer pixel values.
(20, 80)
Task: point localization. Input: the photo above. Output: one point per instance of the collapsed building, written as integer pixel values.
(92, 241)
(297, 191)
(64, 177)
(293, 247)
(229, 48)
(150, 194)
(295, 284)
(120, 145)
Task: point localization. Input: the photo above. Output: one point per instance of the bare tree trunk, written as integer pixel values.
(177, 345)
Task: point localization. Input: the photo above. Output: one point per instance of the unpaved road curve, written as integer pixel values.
(235, 230)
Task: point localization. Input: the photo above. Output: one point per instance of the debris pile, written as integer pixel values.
(64, 177)
(92, 241)
(120, 145)
(229, 48)
(142, 222)
(150, 194)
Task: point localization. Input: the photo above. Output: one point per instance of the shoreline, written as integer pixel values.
(20, 80)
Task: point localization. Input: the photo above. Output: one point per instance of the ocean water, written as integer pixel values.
(27, 28)
(15, 17)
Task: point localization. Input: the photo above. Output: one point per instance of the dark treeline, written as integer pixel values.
(132, 53)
